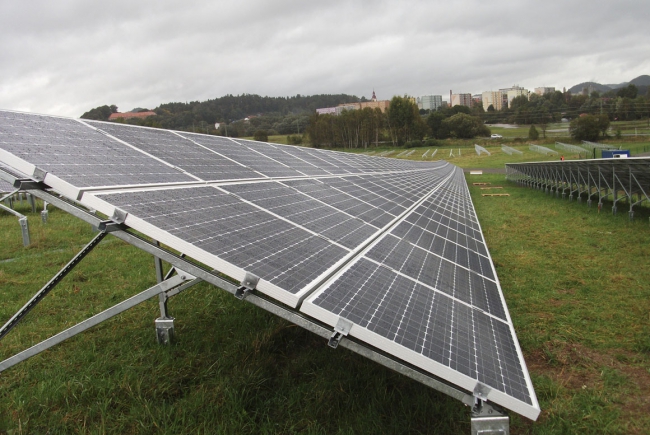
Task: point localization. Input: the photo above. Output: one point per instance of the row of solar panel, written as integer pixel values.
(127, 155)
(417, 288)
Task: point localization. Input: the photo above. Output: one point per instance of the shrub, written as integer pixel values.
(432, 143)
(261, 135)
(294, 139)
(533, 134)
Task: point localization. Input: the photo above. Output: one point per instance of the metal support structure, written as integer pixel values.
(488, 420)
(50, 285)
(189, 274)
(22, 219)
(248, 284)
(31, 202)
(164, 324)
(342, 329)
(44, 213)
(625, 181)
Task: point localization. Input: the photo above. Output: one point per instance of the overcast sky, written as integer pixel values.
(65, 57)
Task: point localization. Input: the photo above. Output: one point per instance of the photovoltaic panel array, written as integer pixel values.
(391, 246)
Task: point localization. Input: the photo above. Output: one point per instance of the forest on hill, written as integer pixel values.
(276, 115)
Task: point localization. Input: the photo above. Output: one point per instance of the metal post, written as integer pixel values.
(25, 230)
(44, 213)
(164, 324)
(614, 192)
(30, 201)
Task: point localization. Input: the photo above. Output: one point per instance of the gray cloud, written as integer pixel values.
(68, 56)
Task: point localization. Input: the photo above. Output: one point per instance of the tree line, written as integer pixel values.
(401, 125)
(624, 104)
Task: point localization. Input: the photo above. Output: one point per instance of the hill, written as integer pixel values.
(643, 80)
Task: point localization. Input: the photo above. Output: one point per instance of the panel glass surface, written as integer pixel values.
(178, 151)
(239, 233)
(428, 286)
(78, 154)
(253, 159)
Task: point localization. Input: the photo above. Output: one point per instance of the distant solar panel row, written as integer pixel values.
(393, 246)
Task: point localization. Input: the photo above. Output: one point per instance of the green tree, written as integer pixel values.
(464, 126)
(436, 129)
(630, 91)
(404, 121)
(533, 134)
(101, 113)
(261, 136)
(603, 124)
(585, 127)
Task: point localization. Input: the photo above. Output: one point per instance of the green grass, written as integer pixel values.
(575, 282)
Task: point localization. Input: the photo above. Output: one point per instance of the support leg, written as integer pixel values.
(24, 227)
(164, 323)
(486, 420)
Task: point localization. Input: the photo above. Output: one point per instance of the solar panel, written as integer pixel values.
(392, 246)
(186, 155)
(78, 154)
(429, 299)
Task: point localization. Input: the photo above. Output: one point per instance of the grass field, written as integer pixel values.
(576, 284)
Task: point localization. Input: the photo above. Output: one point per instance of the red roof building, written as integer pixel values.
(128, 115)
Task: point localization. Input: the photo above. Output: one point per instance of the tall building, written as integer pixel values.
(515, 91)
(429, 102)
(460, 99)
(494, 99)
(544, 90)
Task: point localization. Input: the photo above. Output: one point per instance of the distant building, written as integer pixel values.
(460, 99)
(494, 99)
(373, 104)
(429, 102)
(544, 90)
(128, 115)
(326, 110)
(513, 92)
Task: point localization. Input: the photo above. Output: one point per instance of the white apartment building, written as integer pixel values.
(515, 91)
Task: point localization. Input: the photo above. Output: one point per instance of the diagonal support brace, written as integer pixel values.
(50, 285)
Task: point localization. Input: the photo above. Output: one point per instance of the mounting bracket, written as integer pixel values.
(247, 285)
(342, 328)
(487, 419)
